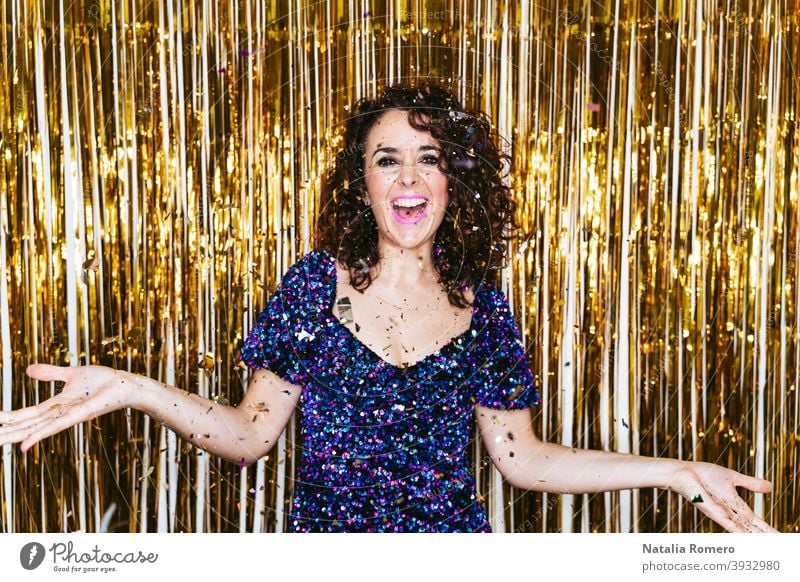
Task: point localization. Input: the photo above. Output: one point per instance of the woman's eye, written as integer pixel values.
(427, 160)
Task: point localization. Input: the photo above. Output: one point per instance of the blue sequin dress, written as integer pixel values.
(384, 448)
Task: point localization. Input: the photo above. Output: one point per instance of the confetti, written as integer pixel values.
(468, 163)
(305, 336)
(92, 264)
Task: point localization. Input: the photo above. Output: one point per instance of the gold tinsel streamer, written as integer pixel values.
(160, 166)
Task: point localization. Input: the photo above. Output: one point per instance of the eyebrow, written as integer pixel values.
(421, 148)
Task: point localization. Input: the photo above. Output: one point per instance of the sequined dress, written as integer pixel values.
(384, 448)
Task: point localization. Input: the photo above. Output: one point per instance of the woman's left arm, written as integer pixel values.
(528, 463)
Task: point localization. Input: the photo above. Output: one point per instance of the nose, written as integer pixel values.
(408, 174)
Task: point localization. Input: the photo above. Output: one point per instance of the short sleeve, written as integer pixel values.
(504, 379)
(280, 339)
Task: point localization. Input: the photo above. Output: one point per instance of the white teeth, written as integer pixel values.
(409, 202)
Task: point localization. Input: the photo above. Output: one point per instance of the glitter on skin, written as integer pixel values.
(384, 447)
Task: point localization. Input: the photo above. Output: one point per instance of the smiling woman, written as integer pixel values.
(390, 337)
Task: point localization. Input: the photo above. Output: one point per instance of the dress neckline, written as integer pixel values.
(332, 285)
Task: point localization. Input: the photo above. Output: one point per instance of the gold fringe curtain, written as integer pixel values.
(160, 167)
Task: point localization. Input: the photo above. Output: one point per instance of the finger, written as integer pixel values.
(42, 372)
(722, 519)
(741, 513)
(22, 431)
(10, 419)
(740, 509)
(48, 373)
(47, 411)
(744, 514)
(752, 483)
(764, 527)
(47, 429)
(20, 424)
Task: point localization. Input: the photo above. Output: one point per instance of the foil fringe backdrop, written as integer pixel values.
(160, 165)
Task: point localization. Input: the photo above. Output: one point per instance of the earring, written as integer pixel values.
(366, 200)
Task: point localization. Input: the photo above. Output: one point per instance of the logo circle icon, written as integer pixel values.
(31, 555)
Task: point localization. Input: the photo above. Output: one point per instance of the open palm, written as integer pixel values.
(89, 391)
(712, 489)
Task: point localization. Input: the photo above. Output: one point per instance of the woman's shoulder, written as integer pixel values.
(308, 279)
(492, 306)
(315, 264)
(490, 296)
(496, 323)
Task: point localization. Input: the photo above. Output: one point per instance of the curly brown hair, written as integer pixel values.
(479, 219)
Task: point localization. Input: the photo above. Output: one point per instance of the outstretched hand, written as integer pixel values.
(89, 391)
(712, 489)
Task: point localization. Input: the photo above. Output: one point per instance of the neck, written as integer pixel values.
(402, 267)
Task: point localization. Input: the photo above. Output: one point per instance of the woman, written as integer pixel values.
(391, 337)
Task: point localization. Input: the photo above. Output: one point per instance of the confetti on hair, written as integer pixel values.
(469, 163)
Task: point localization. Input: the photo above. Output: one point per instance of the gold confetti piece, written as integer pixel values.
(91, 264)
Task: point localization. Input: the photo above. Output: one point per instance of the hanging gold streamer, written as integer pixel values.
(160, 165)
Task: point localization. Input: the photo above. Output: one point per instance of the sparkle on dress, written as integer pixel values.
(384, 448)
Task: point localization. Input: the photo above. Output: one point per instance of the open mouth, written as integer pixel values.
(409, 210)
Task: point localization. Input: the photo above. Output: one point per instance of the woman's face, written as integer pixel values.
(406, 190)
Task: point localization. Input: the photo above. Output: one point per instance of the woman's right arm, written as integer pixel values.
(240, 434)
